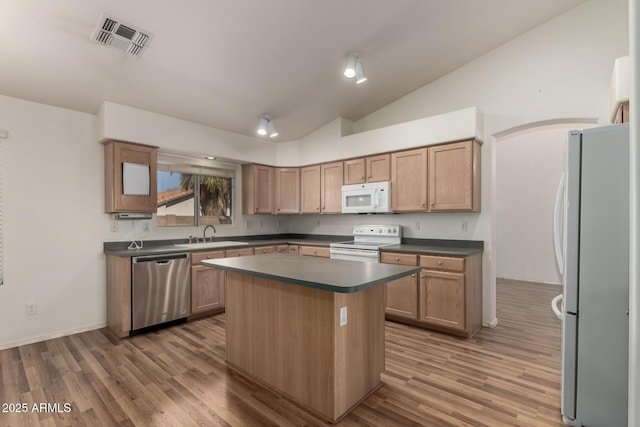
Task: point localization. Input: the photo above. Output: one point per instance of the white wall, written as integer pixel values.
(53, 224)
(558, 71)
(529, 165)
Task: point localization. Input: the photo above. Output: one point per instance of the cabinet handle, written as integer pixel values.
(397, 259)
(439, 262)
(423, 205)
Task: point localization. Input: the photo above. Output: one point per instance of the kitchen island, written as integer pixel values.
(311, 329)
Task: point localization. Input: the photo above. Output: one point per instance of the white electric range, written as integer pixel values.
(366, 243)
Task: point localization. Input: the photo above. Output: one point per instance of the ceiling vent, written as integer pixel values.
(114, 32)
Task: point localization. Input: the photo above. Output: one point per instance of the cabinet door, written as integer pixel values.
(287, 190)
(207, 289)
(257, 189)
(331, 187)
(140, 157)
(409, 180)
(355, 171)
(310, 189)
(293, 249)
(283, 249)
(442, 299)
(379, 168)
(452, 168)
(401, 297)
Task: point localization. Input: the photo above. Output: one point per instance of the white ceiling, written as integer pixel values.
(224, 63)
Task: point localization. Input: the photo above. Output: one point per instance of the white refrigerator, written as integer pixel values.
(594, 259)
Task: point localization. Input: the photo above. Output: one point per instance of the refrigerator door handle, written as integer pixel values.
(557, 310)
(556, 224)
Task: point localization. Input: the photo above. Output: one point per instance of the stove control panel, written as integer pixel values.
(378, 230)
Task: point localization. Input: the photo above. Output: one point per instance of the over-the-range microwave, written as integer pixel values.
(373, 197)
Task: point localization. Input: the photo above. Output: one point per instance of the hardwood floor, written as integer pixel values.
(506, 376)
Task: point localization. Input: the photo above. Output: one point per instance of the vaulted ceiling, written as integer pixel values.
(224, 63)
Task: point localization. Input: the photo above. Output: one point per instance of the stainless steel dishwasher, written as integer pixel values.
(160, 289)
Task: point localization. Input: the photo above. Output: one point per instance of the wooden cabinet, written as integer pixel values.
(239, 252)
(258, 187)
(287, 190)
(401, 295)
(451, 293)
(355, 171)
(130, 177)
(261, 250)
(409, 180)
(282, 249)
(367, 169)
(454, 177)
(331, 179)
(310, 190)
(294, 249)
(447, 295)
(320, 251)
(119, 295)
(207, 284)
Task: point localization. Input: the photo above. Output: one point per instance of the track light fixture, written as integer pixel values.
(354, 68)
(266, 127)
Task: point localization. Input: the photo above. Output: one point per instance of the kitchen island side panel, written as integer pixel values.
(289, 338)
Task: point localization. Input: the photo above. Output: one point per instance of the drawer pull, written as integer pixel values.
(439, 262)
(397, 259)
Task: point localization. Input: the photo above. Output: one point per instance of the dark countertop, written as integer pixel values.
(153, 248)
(420, 246)
(320, 273)
(432, 250)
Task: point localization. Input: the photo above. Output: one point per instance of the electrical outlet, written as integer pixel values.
(261, 223)
(463, 225)
(145, 227)
(32, 308)
(343, 316)
(115, 226)
(417, 225)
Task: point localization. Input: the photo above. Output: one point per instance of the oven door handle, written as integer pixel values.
(354, 252)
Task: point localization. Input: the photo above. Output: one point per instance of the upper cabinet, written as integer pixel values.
(258, 188)
(130, 177)
(331, 187)
(454, 177)
(367, 169)
(409, 180)
(287, 190)
(310, 190)
(438, 178)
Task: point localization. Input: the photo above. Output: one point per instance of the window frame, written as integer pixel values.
(195, 166)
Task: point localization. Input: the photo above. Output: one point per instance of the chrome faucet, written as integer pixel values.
(204, 233)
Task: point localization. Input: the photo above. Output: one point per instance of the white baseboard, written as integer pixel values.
(490, 324)
(31, 340)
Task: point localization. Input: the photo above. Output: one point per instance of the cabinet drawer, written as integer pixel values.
(399, 259)
(442, 263)
(314, 251)
(283, 249)
(239, 252)
(198, 257)
(293, 249)
(260, 250)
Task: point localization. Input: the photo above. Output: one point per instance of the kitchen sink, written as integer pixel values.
(207, 245)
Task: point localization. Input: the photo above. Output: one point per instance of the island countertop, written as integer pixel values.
(320, 273)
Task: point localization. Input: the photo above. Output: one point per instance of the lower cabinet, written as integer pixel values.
(207, 284)
(261, 250)
(447, 295)
(401, 295)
